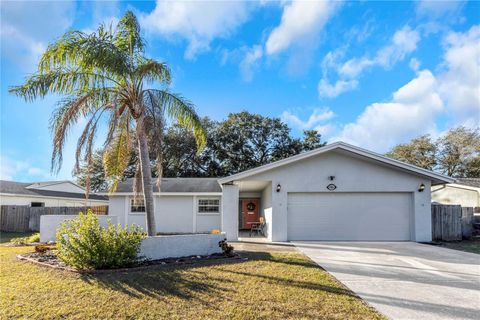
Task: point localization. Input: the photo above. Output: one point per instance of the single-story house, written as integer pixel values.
(336, 192)
(465, 192)
(47, 194)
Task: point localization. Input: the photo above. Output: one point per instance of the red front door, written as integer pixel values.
(250, 211)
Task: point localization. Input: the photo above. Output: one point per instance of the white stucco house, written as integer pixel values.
(465, 192)
(47, 194)
(337, 192)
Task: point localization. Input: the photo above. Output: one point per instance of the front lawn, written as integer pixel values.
(472, 245)
(268, 286)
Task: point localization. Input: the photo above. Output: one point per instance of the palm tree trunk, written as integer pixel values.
(146, 177)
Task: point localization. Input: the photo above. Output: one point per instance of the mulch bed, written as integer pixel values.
(50, 260)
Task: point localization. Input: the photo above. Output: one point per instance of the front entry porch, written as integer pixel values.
(251, 216)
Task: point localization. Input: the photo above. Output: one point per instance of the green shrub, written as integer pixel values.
(26, 240)
(83, 243)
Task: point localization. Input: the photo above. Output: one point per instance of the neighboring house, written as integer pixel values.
(465, 192)
(336, 192)
(47, 194)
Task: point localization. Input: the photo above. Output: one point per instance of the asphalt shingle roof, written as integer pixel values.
(472, 182)
(12, 187)
(177, 185)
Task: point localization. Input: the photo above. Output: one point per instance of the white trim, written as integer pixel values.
(209, 213)
(333, 146)
(51, 197)
(130, 206)
(458, 186)
(162, 194)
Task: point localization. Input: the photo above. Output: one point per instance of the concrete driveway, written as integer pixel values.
(404, 280)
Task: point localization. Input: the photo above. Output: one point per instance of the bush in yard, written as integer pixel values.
(83, 243)
(26, 240)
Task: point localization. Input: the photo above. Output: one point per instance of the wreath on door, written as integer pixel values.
(251, 206)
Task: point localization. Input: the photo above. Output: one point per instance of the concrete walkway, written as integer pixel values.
(404, 280)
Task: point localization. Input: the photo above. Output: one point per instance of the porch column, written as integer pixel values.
(422, 214)
(279, 214)
(230, 195)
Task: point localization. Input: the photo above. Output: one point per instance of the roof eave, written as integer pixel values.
(436, 178)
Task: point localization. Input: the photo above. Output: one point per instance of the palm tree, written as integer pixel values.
(103, 77)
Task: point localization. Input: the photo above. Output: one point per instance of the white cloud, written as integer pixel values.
(437, 8)
(404, 41)
(249, 61)
(325, 89)
(414, 109)
(460, 83)
(11, 169)
(414, 64)
(314, 121)
(301, 22)
(199, 22)
(27, 27)
(326, 129)
(411, 111)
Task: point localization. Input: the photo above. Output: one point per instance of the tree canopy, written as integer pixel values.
(456, 153)
(262, 140)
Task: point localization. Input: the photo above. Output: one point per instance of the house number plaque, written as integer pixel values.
(331, 187)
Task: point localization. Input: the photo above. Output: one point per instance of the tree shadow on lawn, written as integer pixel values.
(188, 281)
(160, 281)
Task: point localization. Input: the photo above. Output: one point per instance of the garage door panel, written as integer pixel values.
(349, 216)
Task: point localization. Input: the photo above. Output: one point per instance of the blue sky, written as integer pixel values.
(373, 74)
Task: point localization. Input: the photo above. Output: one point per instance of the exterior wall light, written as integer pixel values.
(279, 187)
(331, 178)
(421, 188)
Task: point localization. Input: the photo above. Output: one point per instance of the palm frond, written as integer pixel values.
(180, 110)
(127, 37)
(151, 70)
(88, 52)
(63, 81)
(117, 155)
(137, 184)
(67, 114)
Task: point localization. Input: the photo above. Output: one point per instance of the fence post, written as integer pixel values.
(467, 222)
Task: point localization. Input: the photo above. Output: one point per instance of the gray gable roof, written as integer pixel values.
(177, 185)
(20, 188)
(471, 182)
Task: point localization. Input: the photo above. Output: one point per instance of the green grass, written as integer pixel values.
(7, 236)
(267, 286)
(472, 245)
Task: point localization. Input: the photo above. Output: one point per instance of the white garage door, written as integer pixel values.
(349, 216)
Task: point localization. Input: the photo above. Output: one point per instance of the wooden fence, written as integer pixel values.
(26, 218)
(451, 222)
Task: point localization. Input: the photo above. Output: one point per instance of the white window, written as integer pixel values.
(137, 206)
(206, 206)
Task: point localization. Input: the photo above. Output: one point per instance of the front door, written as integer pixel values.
(250, 209)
